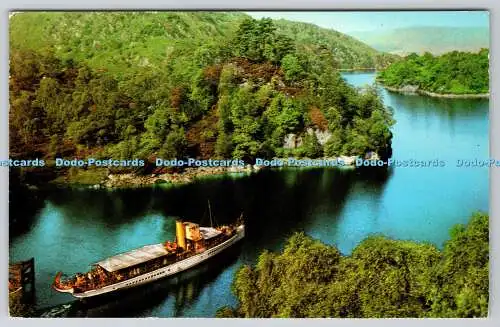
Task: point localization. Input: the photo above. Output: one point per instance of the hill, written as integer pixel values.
(177, 85)
(433, 39)
(348, 51)
(453, 73)
(131, 39)
(118, 41)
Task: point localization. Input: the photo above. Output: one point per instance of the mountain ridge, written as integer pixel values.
(433, 39)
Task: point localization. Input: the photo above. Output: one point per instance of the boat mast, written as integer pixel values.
(210, 213)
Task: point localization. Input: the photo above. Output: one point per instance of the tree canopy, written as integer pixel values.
(382, 278)
(173, 85)
(451, 73)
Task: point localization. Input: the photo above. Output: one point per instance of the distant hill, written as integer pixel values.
(436, 40)
(348, 51)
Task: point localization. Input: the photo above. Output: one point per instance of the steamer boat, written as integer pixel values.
(193, 245)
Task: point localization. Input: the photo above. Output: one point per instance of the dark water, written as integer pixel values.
(73, 228)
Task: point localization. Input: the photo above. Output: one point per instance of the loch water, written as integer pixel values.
(66, 230)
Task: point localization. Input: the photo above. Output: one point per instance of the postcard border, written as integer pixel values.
(263, 5)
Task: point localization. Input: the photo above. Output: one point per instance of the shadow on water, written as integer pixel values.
(79, 227)
(183, 289)
(285, 196)
(24, 206)
(109, 207)
(68, 229)
(349, 214)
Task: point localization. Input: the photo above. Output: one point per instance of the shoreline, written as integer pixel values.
(357, 69)
(136, 180)
(435, 95)
(186, 176)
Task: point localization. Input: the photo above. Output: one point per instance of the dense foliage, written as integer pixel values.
(451, 73)
(381, 278)
(171, 85)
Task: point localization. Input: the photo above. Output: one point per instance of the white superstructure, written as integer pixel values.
(113, 264)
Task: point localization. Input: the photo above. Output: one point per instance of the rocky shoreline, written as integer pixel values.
(188, 175)
(413, 89)
(184, 177)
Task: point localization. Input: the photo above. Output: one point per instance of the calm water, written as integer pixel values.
(73, 228)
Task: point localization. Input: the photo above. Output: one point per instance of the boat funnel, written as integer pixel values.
(180, 232)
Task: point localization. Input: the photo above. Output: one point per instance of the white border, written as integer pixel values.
(260, 5)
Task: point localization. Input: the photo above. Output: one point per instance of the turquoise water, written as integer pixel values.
(421, 203)
(71, 229)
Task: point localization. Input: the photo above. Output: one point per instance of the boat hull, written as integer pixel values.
(164, 271)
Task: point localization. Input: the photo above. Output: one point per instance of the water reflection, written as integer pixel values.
(444, 107)
(69, 229)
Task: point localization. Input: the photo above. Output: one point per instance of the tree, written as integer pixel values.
(460, 282)
(312, 148)
(279, 47)
(394, 277)
(223, 146)
(453, 72)
(175, 145)
(381, 278)
(258, 41)
(292, 68)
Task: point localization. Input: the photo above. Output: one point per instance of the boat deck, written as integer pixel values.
(133, 257)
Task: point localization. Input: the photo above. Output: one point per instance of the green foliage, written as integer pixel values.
(312, 148)
(349, 52)
(258, 41)
(175, 145)
(292, 68)
(451, 73)
(393, 276)
(127, 85)
(333, 147)
(381, 278)
(460, 282)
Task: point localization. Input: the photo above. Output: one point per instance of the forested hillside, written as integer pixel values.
(184, 84)
(451, 73)
(349, 53)
(382, 278)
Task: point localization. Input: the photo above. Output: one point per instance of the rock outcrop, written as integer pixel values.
(293, 141)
